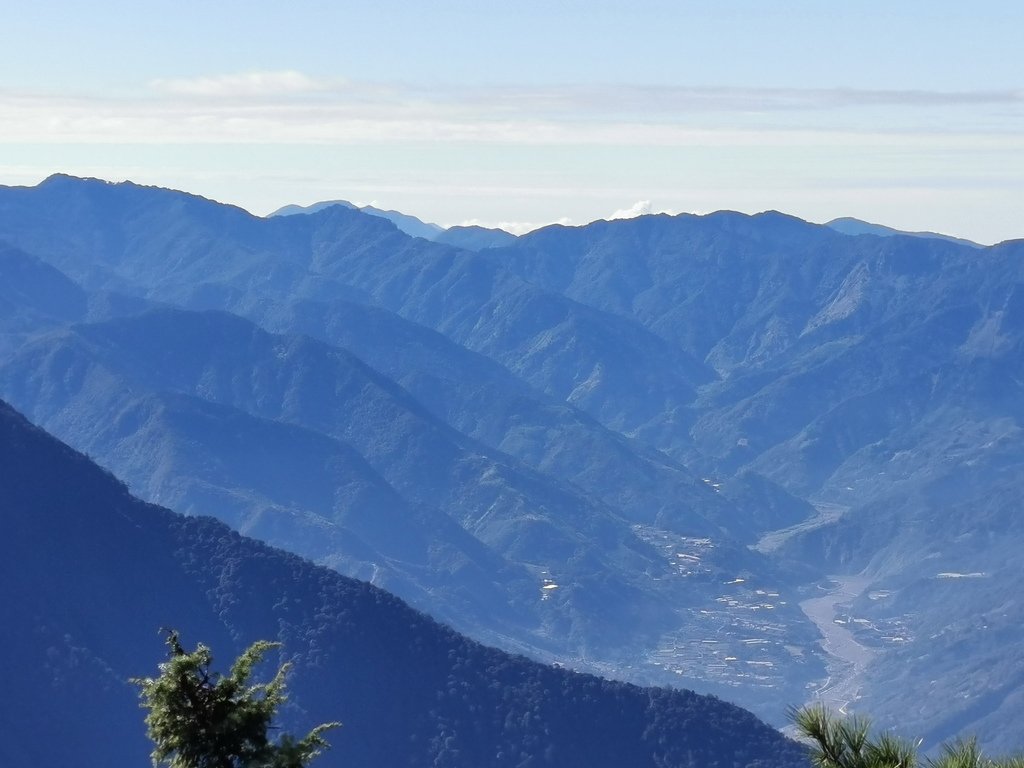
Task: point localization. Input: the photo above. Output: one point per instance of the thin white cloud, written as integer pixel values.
(639, 208)
(515, 227)
(341, 122)
(291, 107)
(609, 102)
(669, 99)
(244, 84)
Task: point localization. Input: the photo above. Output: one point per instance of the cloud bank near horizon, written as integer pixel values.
(512, 156)
(290, 106)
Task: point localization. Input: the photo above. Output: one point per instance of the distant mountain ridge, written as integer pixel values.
(471, 238)
(294, 210)
(411, 225)
(476, 238)
(850, 226)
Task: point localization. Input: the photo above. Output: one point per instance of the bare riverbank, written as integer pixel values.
(827, 513)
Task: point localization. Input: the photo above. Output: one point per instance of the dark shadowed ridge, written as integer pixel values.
(91, 574)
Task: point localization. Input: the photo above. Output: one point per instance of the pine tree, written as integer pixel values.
(846, 742)
(200, 719)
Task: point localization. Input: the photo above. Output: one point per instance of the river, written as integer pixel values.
(846, 657)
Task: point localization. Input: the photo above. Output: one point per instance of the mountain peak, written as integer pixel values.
(296, 210)
(410, 225)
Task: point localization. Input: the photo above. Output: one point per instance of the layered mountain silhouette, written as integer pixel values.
(409, 224)
(654, 438)
(303, 445)
(469, 237)
(92, 575)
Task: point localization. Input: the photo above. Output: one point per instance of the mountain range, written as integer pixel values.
(647, 448)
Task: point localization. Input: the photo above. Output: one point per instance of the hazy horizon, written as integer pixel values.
(516, 117)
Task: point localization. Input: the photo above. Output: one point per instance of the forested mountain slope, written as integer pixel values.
(91, 574)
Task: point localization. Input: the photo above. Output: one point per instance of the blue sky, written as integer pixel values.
(520, 114)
